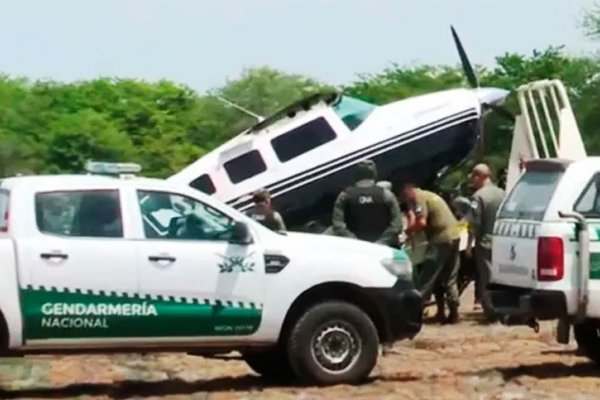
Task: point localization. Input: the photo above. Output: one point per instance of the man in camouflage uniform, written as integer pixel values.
(367, 211)
(264, 213)
(482, 216)
(429, 213)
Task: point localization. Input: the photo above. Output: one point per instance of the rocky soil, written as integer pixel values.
(471, 360)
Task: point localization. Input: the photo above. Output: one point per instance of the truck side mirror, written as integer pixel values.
(240, 234)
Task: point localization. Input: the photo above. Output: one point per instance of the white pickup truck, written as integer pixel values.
(103, 263)
(546, 250)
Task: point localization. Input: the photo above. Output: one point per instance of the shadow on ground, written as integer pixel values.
(129, 389)
(469, 317)
(549, 370)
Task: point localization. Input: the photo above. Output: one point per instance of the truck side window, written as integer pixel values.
(79, 213)
(173, 216)
(588, 203)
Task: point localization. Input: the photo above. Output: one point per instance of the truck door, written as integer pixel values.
(77, 269)
(588, 204)
(204, 285)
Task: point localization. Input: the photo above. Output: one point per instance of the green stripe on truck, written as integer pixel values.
(70, 314)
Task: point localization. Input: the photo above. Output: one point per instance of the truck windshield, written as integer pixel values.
(531, 195)
(352, 111)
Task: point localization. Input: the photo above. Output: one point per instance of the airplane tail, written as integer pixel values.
(546, 127)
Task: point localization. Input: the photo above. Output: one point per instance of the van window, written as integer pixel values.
(204, 184)
(79, 213)
(245, 166)
(588, 203)
(531, 195)
(302, 139)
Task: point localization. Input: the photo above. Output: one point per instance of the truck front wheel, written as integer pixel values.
(333, 343)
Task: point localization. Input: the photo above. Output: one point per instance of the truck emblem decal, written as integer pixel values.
(231, 263)
(513, 253)
(516, 229)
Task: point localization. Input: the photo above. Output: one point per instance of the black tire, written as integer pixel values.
(272, 364)
(314, 333)
(587, 337)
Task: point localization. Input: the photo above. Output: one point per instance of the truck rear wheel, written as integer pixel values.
(333, 343)
(587, 337)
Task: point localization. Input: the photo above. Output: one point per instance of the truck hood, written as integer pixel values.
(339, 245)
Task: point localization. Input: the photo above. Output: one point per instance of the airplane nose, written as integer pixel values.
(493, 96)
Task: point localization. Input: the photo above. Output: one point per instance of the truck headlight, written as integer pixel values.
(398, 264)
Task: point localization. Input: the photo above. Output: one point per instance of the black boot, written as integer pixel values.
(440, 315)
(453, 316)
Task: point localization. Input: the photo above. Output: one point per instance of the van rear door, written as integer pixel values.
(517, 246)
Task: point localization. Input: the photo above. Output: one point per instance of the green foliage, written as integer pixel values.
(590, 21)
(50, 127)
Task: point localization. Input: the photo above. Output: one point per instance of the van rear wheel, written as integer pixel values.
(587, 336)
(333, 343)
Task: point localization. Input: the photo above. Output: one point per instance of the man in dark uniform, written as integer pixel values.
(264, 213)
(482, 216)
(367, 211)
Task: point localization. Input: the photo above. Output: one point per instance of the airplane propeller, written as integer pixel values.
(466, 64)
(474, 82)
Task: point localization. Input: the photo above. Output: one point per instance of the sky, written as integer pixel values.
(203, 43)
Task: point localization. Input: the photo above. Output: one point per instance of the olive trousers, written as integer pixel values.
(440, 267)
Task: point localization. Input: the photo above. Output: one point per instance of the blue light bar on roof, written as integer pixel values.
(100, 167)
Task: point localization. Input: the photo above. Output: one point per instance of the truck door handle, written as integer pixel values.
(161, 258)
(48, 256)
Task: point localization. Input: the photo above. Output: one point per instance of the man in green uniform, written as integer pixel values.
(482, 216)
(264, 213)
(429, 213)
(367, 211)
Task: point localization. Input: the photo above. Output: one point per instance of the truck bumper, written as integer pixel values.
(401, 309)
(523, 303)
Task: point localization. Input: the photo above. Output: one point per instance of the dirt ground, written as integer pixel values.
(471, 360)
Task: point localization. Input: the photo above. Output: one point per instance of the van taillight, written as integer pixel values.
(550, 259)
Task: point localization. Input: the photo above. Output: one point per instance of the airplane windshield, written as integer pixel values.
(352, 111)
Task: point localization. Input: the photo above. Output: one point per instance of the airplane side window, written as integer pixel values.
(204, 184)
(245, 166)
(302, 139)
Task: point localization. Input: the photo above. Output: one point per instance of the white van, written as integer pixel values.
(546, 250)
(98, 263)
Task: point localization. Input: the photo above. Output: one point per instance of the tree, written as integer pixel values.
(73, 139)
(48, 126)
(396, 82)
(263, 91)
(590, 21)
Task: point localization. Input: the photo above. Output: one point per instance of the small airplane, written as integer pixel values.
(305, 153)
